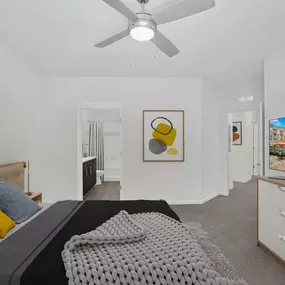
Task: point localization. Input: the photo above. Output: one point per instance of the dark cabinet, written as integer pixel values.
(89, 175)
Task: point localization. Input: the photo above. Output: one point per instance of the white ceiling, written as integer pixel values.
(58, 36)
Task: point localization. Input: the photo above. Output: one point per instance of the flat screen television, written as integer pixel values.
(277, 144)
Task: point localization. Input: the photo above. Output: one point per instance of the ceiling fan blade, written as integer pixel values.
(113, 39)
(174, 10)
(122, 8)
(165, 45)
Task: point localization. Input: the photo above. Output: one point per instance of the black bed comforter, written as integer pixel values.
(32, 256)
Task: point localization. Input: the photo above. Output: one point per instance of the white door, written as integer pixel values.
(256, 156)
(117, 161)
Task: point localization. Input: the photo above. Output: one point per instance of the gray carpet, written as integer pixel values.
(215, 255)
(231, 224)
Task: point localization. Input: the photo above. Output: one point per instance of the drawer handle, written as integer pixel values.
(282, 213)
(281, 237)
(281, 188)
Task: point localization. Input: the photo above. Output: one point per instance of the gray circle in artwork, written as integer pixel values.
(157, 146)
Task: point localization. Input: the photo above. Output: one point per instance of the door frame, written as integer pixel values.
(256, 150)
(260, 122)
(262, 139)
(95, 106)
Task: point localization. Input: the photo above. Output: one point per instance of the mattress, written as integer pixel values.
(33, 253)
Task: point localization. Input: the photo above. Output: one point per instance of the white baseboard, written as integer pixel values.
(193, 202)
(185, 202)
(112, 178)
(224, 194)
(210, 198)
(249, 178)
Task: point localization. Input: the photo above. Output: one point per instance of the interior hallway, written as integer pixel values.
(106, 191)
(231, 224)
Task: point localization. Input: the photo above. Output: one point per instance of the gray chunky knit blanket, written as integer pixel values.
(146, 248)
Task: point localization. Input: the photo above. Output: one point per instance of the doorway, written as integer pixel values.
(244, 147)
(100, 151)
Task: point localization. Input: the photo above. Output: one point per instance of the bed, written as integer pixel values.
(32, 253)
(39, 243)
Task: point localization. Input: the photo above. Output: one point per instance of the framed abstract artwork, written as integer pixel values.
(237, 133)
(163, 135)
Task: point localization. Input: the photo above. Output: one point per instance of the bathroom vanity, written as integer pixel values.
(89, 173)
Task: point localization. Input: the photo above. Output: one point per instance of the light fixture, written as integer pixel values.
(143, 29)
(142, 34)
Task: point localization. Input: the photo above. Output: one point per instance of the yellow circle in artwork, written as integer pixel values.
(172, 151)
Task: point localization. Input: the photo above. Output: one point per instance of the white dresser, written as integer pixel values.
(271, 216)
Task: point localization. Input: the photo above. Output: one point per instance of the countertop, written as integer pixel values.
(274, 181)
(88, 158)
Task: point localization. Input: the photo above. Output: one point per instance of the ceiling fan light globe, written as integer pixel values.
(142, 34)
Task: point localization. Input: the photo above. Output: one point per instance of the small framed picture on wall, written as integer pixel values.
(163, 135)
(237, 133)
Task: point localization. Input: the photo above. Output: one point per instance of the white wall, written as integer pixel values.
(241, 161)
(104, 115)
(210, 140)
(22, 117)
(38, 122)
(174, 182)
(274, 75)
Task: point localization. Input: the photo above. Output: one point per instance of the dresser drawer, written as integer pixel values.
(267, 224)
(271, 228)
(275, 241)
(271, 216)
(281, 245)
(272, 194)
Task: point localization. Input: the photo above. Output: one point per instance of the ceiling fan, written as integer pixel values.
(143, 25)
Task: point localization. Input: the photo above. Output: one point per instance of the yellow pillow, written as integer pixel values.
(6, 224)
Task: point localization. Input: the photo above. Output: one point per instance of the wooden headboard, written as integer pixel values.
(14, 173)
